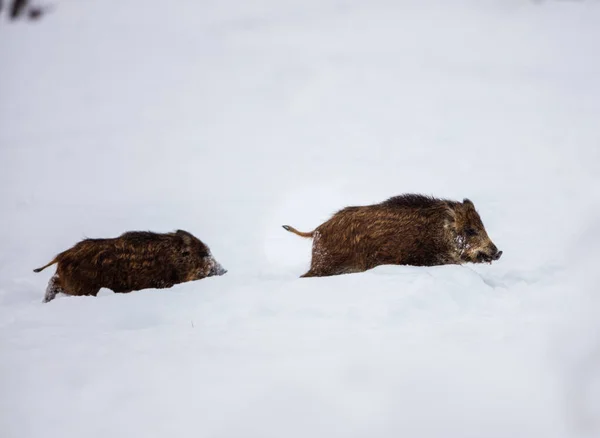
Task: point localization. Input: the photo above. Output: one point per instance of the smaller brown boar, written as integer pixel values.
(133, 261)
(409, 229)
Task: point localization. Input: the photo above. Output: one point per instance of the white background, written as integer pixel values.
(230, 118)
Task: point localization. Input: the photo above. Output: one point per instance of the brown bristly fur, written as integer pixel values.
(133, 261)
(410, 229)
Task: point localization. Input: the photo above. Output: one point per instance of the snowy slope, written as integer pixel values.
(231, 118)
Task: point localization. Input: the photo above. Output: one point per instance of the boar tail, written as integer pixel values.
(55, 260)
(295, 231)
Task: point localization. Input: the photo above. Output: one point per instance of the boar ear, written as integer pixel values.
(450, 214)
(187, 237)
(467, 201)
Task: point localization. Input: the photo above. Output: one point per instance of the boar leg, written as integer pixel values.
(54, 287)
(328, 272)
(87, 291)
(312, 273)
(329, 261)
(77, 286)
(320, 266)
(93, 292)
(326, 268)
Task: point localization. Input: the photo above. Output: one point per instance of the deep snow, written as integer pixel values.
(231, 118)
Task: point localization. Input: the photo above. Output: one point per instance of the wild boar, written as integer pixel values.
(410, 229)
(133, 261)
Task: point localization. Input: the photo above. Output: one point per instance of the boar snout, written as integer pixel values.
(494, 253)
(216, 269)
(489, 256)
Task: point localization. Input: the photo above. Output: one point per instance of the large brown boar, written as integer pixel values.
(404, 230)
(133, 261)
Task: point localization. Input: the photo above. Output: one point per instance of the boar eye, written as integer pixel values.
(470, 232)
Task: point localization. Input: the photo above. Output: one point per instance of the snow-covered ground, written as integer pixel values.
(231, 118)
